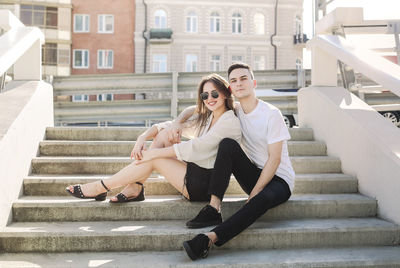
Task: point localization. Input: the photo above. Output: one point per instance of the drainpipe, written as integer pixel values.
(144, 36)
(273, 35)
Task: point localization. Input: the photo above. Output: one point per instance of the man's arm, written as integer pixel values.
(174, 131)
(269, 170)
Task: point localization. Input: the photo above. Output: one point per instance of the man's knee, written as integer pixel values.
(227, 144)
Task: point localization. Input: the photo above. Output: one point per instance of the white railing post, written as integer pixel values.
(324, 68)
(29, 65)
(174, 97)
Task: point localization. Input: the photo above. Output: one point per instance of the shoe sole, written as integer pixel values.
(194, 225)
(189, 251)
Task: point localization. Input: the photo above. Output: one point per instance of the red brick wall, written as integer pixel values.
(121, 41)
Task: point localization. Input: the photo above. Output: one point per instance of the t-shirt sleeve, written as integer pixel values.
(277, 129)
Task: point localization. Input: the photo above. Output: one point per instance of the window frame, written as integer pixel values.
(192, 19)
(237, 23)
(99, 24)
(158, 62)
(105, 58)
(189, 62)
(214, 62)
(73, 59)
(163, 19)
(84, 16)
(85, 98)
(258, 22)
(214, 21)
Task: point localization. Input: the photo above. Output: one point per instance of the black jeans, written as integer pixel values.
(232, 159)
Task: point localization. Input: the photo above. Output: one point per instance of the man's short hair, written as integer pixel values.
(240, 65)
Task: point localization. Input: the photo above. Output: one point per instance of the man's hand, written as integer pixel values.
(174, 132)
(253, 193)
(140, 146)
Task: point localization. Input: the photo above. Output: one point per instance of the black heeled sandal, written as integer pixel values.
(78, 193)
(121, 198)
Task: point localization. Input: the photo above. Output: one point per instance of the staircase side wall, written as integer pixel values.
(367, 144)
(25, 112)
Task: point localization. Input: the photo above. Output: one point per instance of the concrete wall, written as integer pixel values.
(367, 144)
(25, 112)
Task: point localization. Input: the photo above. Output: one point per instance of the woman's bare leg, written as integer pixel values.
(172, 169)
(133, 189)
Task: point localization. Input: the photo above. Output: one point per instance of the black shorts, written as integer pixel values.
(197, 181)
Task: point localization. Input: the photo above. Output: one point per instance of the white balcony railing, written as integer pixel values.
(20, 47)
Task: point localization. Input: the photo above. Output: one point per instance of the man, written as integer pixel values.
(262, 168)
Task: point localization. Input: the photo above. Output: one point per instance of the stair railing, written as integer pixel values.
(20, 46)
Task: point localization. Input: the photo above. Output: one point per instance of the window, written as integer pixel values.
(80, 98)
(191, 22)
(191, 63)
(49, 54)
(105, 59)
(81, 59)
(159, 63)
(237, 58)
(63, 57)
(105, 97)
(259, 62)
(215, 63)
(215, 23)
(41, 16)
(81, 23)
(299, 64)
(160, 19)
(106, 23)
(236, 23)
(259, 22)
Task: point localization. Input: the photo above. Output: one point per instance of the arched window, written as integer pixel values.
(259, 22)
(236, 23)
(191, 22)
(160, 19)
(215, 23)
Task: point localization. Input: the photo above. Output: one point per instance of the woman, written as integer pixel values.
(186, 165)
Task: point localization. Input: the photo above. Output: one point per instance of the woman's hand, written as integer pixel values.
(140, 146)
(146, 156)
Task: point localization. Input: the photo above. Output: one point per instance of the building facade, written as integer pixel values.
(102, 37)
(53, 17)
(176, 35)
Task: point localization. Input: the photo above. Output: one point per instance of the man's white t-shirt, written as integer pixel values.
(262, 126)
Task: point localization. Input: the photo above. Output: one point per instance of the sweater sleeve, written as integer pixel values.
(206, 146)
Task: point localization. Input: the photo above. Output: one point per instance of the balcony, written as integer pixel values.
(300, 39)
(160, 35)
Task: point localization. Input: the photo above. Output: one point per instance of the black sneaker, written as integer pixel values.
(198, 247)
(208, 216)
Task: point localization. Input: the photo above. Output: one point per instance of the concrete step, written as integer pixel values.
(111, 165)
(357, 257)
(305, 184)
(169, 235)
(50, 209)
(131, 133)
(124, 148)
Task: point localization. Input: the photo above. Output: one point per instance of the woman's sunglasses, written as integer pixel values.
(204, 95)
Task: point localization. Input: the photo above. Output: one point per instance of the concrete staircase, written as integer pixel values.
(326, 223)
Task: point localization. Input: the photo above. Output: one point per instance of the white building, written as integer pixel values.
(53, 17)
(177, 35)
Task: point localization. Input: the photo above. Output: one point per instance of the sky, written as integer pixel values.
(373, 10)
